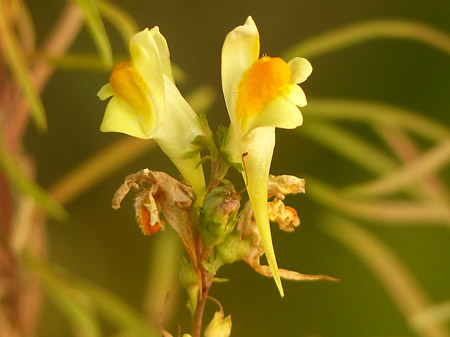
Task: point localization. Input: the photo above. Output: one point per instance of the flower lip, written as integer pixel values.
(264, 81)
(128, 84)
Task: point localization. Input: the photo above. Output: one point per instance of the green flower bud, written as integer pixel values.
(232, 249)
(219, 214)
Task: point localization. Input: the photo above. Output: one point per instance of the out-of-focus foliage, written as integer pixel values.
(374, 150)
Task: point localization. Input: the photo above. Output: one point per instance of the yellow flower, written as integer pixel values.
(219, 326)
(260, 94)
(146, 104)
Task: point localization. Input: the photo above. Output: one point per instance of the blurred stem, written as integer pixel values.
(376, 114)
(85, 62)
(431, 186)
(162, 278)
(350, 146)
(72, 302)
(371, 30)
(438, 313)
(401, 285)
(96, 27)
(59, 40)
(25, 29)
(19, 179)
(78, 298)
(385, 211)
(425, 165)
(98, 167)
(16, 60)
(123, 22)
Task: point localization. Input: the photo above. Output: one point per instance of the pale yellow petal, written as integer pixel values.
(259, 145)
(163, 50)
(240, 51)
(219, 326)
(175, 135)
(300, 69)
(145, 58)
(295, 94)
(106, 92)
(121, 117)
(280, 113)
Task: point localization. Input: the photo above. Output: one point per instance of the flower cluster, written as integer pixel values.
(261, 94)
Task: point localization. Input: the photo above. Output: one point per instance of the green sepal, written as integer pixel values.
(200, 141)
(209, 268)
(222, 134)
(219, 214)
(191, 154)
(220, 280)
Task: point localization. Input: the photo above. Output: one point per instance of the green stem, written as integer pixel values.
(366, 31)
(431, 186)
(98, 167)
(425, 165)
(356, 149)
(375, 113)
(385, 211)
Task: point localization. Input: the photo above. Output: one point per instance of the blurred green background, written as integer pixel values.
(106, 247)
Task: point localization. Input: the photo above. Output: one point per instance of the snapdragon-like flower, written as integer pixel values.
(146, 104)
(261, 94)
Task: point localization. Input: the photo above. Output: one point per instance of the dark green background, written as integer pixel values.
(106, 247)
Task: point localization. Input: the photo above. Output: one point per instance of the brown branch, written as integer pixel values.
(59, 40)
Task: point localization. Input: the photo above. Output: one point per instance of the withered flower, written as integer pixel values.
(159, 193)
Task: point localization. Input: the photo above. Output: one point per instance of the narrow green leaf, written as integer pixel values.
(163, 276)
(19, 67)
(99, 166)
(350, 146)
(425, 165)
(95, 24)
(123, 22)
(25, 28)
(365, 31)
(375, 113)
(391, 212)
(76, 297)
(79, 61)
(116, 311)
(16, 176)
(74, 304)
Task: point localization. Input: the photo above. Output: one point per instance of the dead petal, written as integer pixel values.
(175, 200)
(130, 182)
(160, 193)
(285, 184)
(286, 217)
(293, 275)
